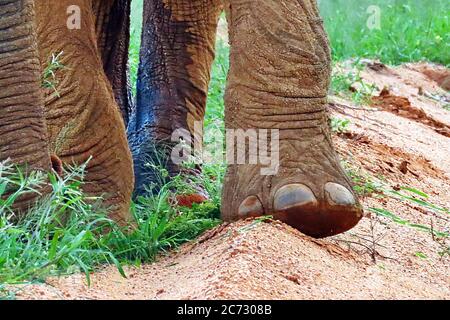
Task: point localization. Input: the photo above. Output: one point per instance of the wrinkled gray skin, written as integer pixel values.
(279, 78)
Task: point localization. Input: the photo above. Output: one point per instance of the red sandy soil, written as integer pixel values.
(400, 138)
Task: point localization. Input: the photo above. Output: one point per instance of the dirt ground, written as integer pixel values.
(400, 138)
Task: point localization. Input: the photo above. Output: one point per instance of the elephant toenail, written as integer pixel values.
(293, 195)
(251, 207)
(337, 194)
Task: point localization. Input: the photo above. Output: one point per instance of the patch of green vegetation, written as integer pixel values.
(409, 30)
(395, 218)
(339, 125)
(421, 255)
(135, 42)
(215, 108)
(49, 79)
(350, 84)
(67, 231)
(364, 184)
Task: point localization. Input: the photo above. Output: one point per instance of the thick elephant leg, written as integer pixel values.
(22, 122)
(83, 119)
(279, 78)
(177, 52)
(112, 23)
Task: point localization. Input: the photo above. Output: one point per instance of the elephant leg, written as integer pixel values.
(22, 121)
(279, 78)
(177, 52)
(112, 23)
(23, 130)
(83, 119)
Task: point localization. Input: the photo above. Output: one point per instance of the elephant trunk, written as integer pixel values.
(22, 121)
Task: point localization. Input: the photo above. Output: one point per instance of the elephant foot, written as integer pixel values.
(330, 209)
(310, 191)
(284, 89)
(335, 212)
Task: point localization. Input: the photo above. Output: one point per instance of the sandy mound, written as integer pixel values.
(399, 139)
(250, 260)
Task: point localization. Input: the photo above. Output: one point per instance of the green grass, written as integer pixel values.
(135, 41)
(349, 84)
(67, 231)
(339, 125)
(366, 185)
(49, 79)
(410, 30)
